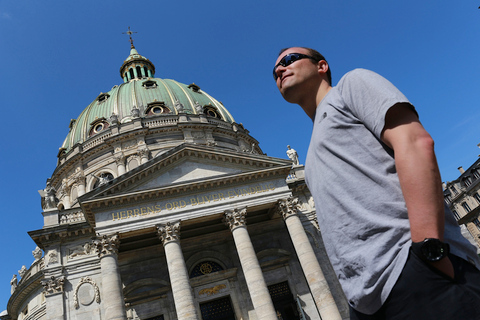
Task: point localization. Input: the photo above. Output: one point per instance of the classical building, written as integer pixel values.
(463, 198)
(163, 207)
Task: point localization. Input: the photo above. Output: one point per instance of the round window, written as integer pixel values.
(98, 127)
(157, 110)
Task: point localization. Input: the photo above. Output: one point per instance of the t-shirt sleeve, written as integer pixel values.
(369, 96)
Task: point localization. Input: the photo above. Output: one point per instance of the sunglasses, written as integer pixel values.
(288, 60)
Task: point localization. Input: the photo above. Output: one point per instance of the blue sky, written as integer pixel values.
(57, 56)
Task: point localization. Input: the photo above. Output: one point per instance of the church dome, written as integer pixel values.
(136, 121)
(144, 96)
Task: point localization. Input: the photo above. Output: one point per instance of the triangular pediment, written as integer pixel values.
(184, 168)
(184, 171)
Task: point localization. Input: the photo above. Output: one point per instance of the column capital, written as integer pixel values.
(106, 245)
(53, 285)
(236, 218)
(119, 157)
(287, 207)
(169, 232)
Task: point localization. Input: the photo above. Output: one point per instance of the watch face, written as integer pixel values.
(434, 249)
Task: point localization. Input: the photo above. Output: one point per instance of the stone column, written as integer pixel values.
(182, 292)
(143, 154)
(120, 161)
(53, 288)
(80, 180)
(112, 291)
(262, 302)
(308, 260)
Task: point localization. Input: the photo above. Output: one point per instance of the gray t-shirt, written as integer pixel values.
(360, 206)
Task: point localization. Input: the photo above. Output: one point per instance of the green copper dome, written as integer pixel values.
(141, 96)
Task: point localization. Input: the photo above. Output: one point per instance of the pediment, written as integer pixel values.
(184, 168)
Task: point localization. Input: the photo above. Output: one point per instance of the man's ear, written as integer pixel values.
(322, 66)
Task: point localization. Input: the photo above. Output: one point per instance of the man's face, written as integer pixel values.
(297, 79)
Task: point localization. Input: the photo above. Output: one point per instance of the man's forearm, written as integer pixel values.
(421, 186)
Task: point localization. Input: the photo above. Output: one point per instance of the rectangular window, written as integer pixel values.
(454, 190)
(466, 207)
(477, 197)
(476, 174)
(476, 222)
(455, 214)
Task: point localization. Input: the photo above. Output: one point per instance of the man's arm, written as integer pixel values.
(418, 174)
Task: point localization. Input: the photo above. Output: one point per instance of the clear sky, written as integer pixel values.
(57, 56)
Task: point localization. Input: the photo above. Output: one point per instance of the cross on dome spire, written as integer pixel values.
(129, 32)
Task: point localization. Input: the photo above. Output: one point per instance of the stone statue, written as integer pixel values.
(13, 283)
(135, 112)
(102, 179)
(49, 196)
(37, 253)
(22, 271)
(198, 107)
(179, 107)
(293, 155)
(114, 119)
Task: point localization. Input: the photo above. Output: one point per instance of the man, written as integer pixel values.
(373, 174)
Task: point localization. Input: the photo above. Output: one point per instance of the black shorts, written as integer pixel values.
(422, 292)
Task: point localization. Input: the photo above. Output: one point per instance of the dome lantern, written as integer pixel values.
(136, 66)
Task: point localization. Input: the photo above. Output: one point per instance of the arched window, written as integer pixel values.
(205, 267)
(132, 75)
(139, 72)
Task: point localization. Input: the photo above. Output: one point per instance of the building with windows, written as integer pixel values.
(162, 206)
(463, 198)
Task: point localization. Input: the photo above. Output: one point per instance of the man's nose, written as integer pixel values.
(279, 71)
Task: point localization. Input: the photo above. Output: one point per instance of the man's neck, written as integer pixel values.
(310, 106)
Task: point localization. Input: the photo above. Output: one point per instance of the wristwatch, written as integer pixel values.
(431, 249)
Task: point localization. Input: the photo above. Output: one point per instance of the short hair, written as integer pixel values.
(316, 56)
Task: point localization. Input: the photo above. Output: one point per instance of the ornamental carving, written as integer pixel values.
(52, 257)
(169, 232)
(86, 249)
(236, 218)
(288, 207)
(86, 291)
(212, 291)
(106, 245)
(119, 158)
(53, 285)
(143, 152)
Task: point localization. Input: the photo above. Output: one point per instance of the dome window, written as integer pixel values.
(102, 97)
(157, 108)
(211, 111)
(149, 84)
(98, 126)
(193, 87)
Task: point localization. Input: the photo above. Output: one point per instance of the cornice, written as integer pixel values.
(49, 236)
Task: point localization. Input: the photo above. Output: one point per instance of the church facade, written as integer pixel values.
(163, 207)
